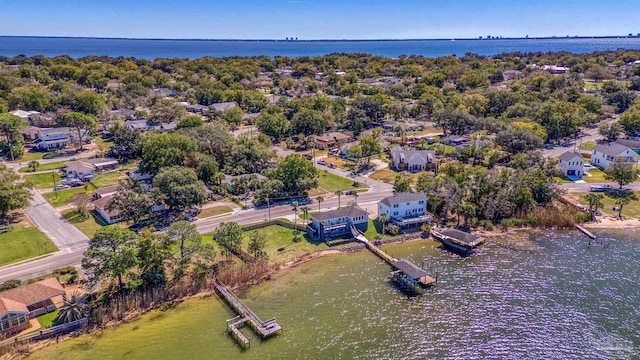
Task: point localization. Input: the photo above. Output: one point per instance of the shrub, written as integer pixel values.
(65, 270)
(393, 229)
(10, 284)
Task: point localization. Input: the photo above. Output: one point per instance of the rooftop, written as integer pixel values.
(612, 149)
(569, 155)
(409, 268)
(18, 298)
(404, 197)
(461, 236)
(349, 212)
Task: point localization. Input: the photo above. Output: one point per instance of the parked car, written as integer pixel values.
(322, 162)
(61, 187)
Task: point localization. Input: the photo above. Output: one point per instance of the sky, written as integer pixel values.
(318, 19)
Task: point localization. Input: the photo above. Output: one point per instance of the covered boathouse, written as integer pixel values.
(409, 277)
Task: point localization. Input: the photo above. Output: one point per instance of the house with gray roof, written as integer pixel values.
(605, 155)
(571, 164)
(337, 223)
(633, 144)
(412, 160)
(406, 210)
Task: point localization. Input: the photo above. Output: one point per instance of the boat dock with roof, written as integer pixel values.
(409, 277)
(456, 240)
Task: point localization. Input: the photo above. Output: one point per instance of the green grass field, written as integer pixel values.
(44, 167)
(632, 209)
(589, 145)
(279, 243)
(44, 180)
(332, 183)
(214, 211)
(46, 320)
(64, 196)
(23, 242)
(110, 178)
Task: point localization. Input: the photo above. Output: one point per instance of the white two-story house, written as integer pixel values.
(571, 164)
(406, 210)
(412, 160)
(605, 155)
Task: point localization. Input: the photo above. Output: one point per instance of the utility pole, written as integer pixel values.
(53, 176)
(268, 207)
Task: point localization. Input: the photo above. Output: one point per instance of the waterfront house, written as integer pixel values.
(20, 304)
(337, 223)
(571, 164)
(412, 160)
(605, 155)
(406, 210)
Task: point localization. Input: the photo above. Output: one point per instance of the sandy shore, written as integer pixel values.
(611, 222)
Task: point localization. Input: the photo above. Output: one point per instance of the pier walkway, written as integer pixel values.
(246, 316)
(408, 275)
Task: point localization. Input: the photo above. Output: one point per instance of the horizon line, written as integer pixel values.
(334, 40)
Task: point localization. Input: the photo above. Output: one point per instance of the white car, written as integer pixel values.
(61, 187)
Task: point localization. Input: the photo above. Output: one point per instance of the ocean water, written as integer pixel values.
(151, 49)
(541, 296)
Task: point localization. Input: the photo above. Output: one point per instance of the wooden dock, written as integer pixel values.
(586, 232)
(408, 275)
(246, 316)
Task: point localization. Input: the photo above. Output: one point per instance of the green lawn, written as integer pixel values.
(374, 231)
(632, 209)
(332, 183)
(110, 178)
(44, 180)
(561, 180)
(214, 211)
(23, 242)
(64, 196)
(88, 225)
(31, 155)
(44, 167)
(597, 176)
(279, 243)
(589, 145)
(46, 320)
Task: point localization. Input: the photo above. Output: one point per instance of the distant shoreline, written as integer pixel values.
(330, 40)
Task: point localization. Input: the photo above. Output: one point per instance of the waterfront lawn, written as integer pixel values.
(632, 209)
(44, 167)
(374, 231)
(43, 180)
(332, 183)
(64, 196)
(279, 243)
(23, 242)
(214, 211)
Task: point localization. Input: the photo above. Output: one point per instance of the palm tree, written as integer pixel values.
(33, 165)
(623, 199)
(383, 220)
(320, 200)
(594, 200)
(339, 193)
(73, 308)
(305, 212)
